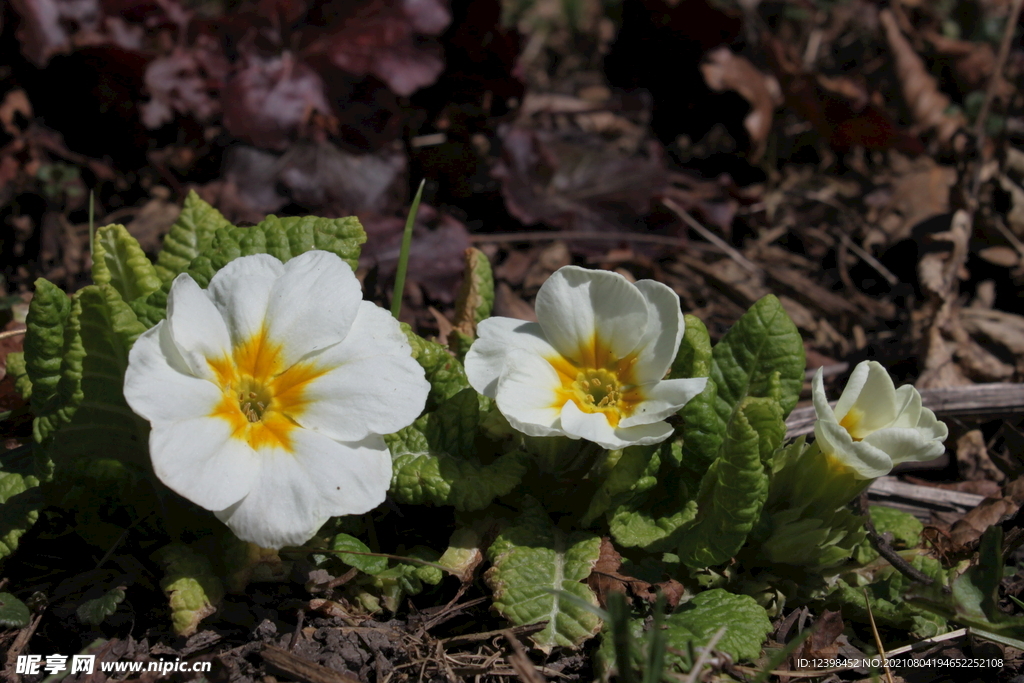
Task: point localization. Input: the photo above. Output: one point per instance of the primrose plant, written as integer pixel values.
(237, 399)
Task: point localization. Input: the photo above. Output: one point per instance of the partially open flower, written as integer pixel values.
(268, 392)
(875, 426)
(593, 366)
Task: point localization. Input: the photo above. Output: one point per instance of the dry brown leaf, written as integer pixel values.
(972, 458)
(1001, 256)
(974, 523)
(508, 304)
(1006, 329)
(975, 61)
(919, 191)
(927, 103)
(15, 103)
(724, 70)
(605, 578)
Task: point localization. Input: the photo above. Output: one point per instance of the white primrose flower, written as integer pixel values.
(268, 392)
(875, 426)
(593, 366)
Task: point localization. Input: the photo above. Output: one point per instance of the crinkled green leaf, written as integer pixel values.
(443, 371)
(191, 587)
(762, 342)
(53, 358)
(904, 528)
(532, 558)
(627, 473)
(13, 612)
(693, 359)
(102, 424)
(464, 554)
(816, 542)
(735, 488)
(20, 503)
(635, 528)
(364, 563)
(118, 260)
(283, 238)
(191, 234)
(93, 612)
(887, 594)
(17, 370)
(692, 626)
(434, 460)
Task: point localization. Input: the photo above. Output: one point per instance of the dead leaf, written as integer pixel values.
(47, 26)
(379, 38)
(724, 70)
(605, 578)
(552, 257)
(917, 190)
(989, 512)
(1001, 256)
(15, 106)
(269, 101)
(972, 458)
(508, 304)
(187, 81)
(927, 103)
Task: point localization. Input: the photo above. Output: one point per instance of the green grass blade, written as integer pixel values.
(403, 257)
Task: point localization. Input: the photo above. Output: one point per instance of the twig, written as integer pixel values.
(12, 333)
(867, 258)
(886, 550)
(990, 93)
(299, 619)
(525, 630)
(302, 669)
(729, 251)
(705, 655)
(520, 662)
(878, 638)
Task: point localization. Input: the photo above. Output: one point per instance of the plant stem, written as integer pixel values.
(403, 257)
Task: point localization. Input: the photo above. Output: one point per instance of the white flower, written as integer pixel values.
(267, 394)
(875, 426)
(592, 367)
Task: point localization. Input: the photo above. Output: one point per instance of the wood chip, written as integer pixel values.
(302, 669)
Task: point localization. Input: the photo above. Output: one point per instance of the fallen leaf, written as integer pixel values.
(508, 304)
(47, 26)
(269, 101)
(605, 578)
(927, 103)
(724, 70)
(187, 81)
(990, 511)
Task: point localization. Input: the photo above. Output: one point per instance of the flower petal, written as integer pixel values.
(868, 401)
(822, 410)
(196, 326)
(904, 445)
(908, 407)
(526, 394)
(665, 326)
(580, 309)
(241, 291)
(664, 398)
(157, 383)
(497, 337)
(376, 387)
(864, 459)
(199, 460)
(297, 492)
(295, 321)
(595, 427)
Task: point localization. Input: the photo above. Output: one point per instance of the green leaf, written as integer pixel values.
(407, 578)
(445, 374)
(364, 563)
(634, 528)
(903, 526)
(694, 356)
(191, 234)
(532, 561)
(13, 612)
(762, 342)
(49, 353)
(93, 612)
(735, 488)
(19, 373)
(118, 260)
(434, 460)
(20, 503)
(627, 473)
(191, 587)
(102, 424)
(693, 625)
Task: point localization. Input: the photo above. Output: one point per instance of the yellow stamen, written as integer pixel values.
(598, 382)
(262, 398)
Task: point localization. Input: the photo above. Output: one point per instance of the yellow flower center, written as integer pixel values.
(851, 423)
(598, 383)
(262, 398)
